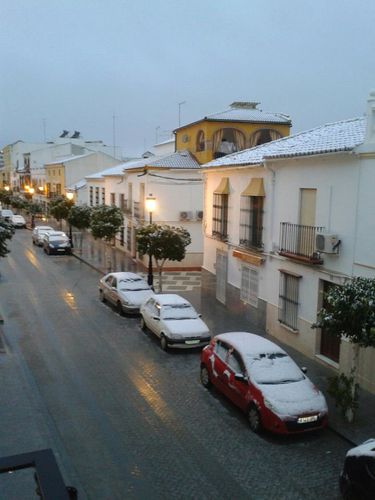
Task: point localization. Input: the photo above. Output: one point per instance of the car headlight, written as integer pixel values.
(51, 246)
(176, 336)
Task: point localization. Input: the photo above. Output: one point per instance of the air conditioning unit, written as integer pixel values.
(199, 215)
(327, 243)
(185, 216)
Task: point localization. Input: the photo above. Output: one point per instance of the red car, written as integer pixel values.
(261, 379)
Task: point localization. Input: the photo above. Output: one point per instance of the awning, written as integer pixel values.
(223, 187)
(254, 188)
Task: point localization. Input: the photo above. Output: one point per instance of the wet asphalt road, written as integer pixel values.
(128, 420)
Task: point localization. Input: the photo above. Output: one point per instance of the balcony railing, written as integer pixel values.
(298, 242)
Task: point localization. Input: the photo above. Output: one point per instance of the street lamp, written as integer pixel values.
(150, 207)
(30, 191)
(70, 197)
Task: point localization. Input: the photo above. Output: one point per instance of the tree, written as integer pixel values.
(79, 217)
(6, 233)
(105, 222)
(60, 207)
(350, 312)
(163, 243)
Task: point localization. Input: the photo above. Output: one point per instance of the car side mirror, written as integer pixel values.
(304, 369)
(240, 377)
(199, 315)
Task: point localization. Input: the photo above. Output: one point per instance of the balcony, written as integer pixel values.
(297, 242)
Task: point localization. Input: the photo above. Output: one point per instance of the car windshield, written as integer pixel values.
(273, 368)
(58, 239)
(178, 311)
(133, 285)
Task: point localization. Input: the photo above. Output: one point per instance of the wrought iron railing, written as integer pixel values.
(298, 241)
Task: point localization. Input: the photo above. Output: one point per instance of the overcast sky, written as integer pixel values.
(73, 64)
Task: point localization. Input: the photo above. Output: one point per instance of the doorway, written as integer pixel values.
(329, 344)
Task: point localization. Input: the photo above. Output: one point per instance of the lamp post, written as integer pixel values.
(31, 191)
(150, 207)
(70, 197)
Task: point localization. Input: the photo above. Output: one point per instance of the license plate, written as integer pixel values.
(304, 420)
(61, 249)
(192, 342)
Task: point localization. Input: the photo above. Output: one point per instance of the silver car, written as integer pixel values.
(175, 321)
(125, 290)
(38, 233)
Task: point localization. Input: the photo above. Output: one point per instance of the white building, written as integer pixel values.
(176, 183)
(289, 219)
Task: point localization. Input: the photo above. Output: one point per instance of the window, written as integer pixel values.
(113, 198)
(234, 362)
(249, 285)
(262, 136)
(220, 216)
(122, 201)
(96, 196)
(58, 189)
(251, 219)
(91, 199)
(226, 141)
(103, 196)
(200, 141)
(220, 210)
(221, 350)
(288, 299)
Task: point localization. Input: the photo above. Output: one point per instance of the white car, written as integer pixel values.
(175, 321)
(39, 232)
(6, 214)
(125, 290)
(18, 221)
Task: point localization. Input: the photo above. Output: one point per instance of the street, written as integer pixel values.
(125, 419)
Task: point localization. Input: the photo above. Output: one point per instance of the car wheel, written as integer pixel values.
(253, 416)
(101, 296)
(119, 308)
(143, 324)
(163, 342)
(205, 377)
(33, 242)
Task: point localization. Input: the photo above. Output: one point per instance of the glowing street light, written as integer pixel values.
(150, 207)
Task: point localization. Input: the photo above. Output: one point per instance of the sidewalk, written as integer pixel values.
(199, 289)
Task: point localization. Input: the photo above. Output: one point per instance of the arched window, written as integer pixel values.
(262, 136)
(226, 141)
(200, 141)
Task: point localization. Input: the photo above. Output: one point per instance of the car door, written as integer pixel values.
(150, 312)
(218, 365)
(237, 388)
(113, 291)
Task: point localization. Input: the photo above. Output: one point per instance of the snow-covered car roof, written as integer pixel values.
(248, 343)
(365, 449)
(170, 299)
(19, 217)
(43, 228)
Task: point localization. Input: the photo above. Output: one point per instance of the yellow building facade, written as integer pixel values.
(240, 127)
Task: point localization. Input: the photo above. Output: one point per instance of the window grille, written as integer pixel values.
(91, 200)
(251, 219)
(96, 196)
(249, 285)
(220, 216)
(103, 196)
(288, 299)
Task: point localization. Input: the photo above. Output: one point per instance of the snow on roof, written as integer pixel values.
(179, 159)
(249, 343)
(241, 112)
(125, 276)
(77, 185)
(332, 137)
(69, 158)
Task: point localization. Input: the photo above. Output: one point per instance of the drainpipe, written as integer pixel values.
(273, 182)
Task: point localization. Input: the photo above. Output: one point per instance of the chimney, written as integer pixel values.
(370, 126)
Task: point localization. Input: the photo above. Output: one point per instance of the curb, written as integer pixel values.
(78, 257)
